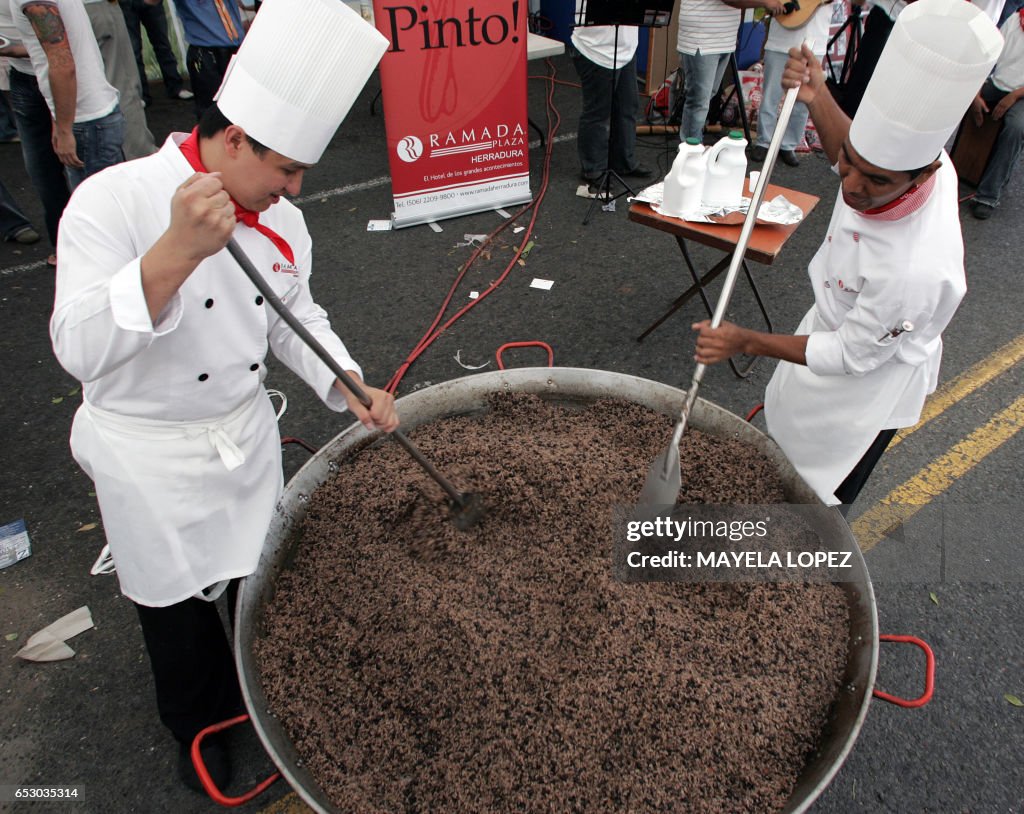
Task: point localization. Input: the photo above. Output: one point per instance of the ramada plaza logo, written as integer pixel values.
(409, 149)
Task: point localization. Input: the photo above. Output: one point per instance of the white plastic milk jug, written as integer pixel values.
(684, 183)
(727, 169)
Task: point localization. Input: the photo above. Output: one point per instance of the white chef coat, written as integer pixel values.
(871, 273)
(176, 429)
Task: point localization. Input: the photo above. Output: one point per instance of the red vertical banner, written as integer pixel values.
(454, 90)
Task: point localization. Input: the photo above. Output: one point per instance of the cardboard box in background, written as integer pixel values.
(14, 543)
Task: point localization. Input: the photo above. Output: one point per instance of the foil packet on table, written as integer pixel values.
(777, 211)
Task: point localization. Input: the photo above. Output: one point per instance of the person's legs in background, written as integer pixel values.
(768, 113)
(44, 168)
(702, 75)
(119, 66)
(592, 133)
(154, 20)
(626, 102)
(8, 127)
(14, 226)
(1004, 156)
(134, 26)
(206, 67)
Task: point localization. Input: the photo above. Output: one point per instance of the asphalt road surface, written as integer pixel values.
(954, 577)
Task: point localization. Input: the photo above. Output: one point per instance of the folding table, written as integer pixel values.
(765, 244)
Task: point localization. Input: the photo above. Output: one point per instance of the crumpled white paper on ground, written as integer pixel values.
(49, 643)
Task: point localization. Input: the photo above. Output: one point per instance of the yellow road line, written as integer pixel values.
(966, 383)
(910, 497)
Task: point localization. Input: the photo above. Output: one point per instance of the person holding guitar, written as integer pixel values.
(805, 20)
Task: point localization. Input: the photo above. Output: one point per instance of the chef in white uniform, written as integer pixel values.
(890, 274)
(169, 338)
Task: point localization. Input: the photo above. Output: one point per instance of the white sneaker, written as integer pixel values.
(592, 191)
(185, 94)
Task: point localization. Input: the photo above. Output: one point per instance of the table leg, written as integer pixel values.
(744, 371)
(696, 288)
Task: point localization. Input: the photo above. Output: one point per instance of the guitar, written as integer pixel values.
(798, 12)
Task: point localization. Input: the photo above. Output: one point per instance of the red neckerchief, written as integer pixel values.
(1020, 16)
(190, 149)
(910, 201)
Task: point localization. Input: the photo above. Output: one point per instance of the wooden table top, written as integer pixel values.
(766, 240)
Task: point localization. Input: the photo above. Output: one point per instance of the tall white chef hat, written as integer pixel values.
(300, 68)
(936, 59)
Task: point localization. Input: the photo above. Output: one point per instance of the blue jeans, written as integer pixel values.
(1007, 150)
(610, 103)
(768, 115)
(702, 74)
(99, 145)
(44, 168)
(8, 127)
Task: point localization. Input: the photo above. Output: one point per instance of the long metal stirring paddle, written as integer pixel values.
(664, 478)
(467, 507)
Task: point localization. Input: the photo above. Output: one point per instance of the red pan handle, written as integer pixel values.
(204, 775)
(929, 674)
(507, 345)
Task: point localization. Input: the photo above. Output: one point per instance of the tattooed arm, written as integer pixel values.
(49, 29)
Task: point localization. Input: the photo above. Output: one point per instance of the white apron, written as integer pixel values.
(185, 505)
(873, 272)
(825, 424)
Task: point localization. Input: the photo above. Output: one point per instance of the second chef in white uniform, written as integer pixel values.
(889, 275)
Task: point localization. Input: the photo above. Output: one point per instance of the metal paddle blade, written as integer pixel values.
(663, 479)
(468, 511)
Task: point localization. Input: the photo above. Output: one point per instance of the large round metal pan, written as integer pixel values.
(571, 386)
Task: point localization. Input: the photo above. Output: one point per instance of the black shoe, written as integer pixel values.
(639, 171)
(758, 153)
(215, 757)
(26, 236)
(789, 157)
(982, 211)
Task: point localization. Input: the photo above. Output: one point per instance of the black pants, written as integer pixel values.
(193, 668)
(206, 67)
(139, 14)
(609, 113)
(850, 488)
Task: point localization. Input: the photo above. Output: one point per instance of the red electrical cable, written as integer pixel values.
(433, 332)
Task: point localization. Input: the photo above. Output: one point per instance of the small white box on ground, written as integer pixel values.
(14, 543)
